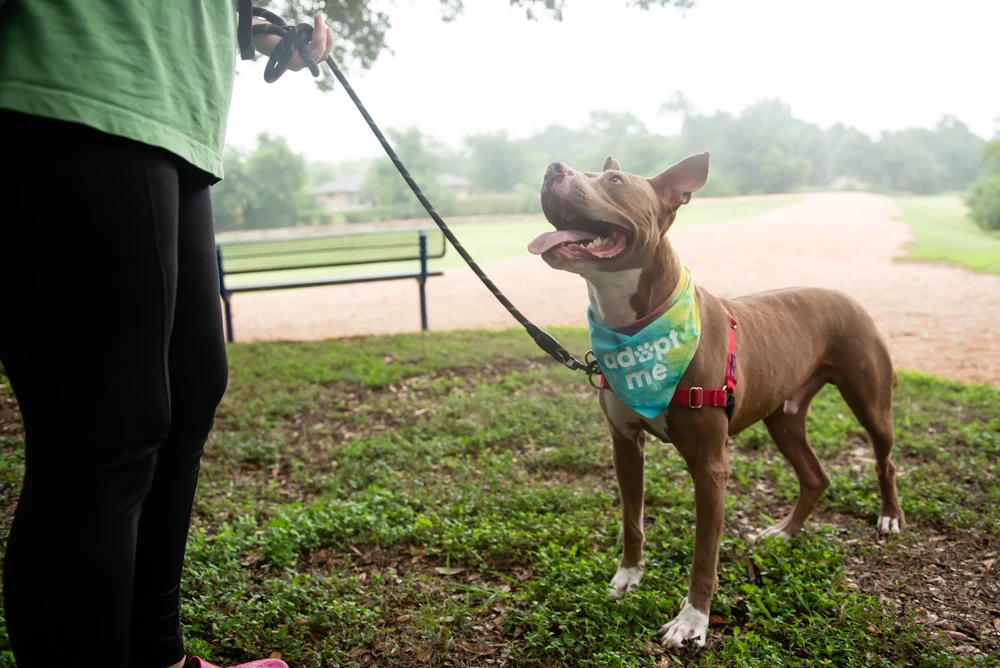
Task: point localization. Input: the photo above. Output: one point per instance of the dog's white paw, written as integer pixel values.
(888, 525)
(776, 531)
(689, 624)
(624, 581)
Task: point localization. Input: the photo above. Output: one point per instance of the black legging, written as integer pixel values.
(111, 336)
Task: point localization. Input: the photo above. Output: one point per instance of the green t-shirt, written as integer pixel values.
(156, 72)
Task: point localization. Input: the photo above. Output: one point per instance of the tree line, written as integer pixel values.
(763, 149)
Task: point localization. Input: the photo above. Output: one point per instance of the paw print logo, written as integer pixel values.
(645, 352)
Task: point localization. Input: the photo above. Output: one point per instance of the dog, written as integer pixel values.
(611, 229)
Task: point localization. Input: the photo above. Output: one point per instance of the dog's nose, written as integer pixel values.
(557, 168)
(556, 173)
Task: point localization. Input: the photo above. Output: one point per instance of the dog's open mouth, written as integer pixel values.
(586, 241)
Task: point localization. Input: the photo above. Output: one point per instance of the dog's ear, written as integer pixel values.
(611, 163)
(675, 184)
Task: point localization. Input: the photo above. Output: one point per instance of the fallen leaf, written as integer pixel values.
(402, 619)
(275, 655)
(518, 631)
(356, 652)
(873, 631)
(362, 577)
(988, 564)
(479, 648)
(424, 655)
(444, 570)
(958, 635)
(996, 624)
(716, 619)
(356, 551)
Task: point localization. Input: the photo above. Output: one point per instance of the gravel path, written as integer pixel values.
(937, 319)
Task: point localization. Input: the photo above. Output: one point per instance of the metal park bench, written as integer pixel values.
(331, 250)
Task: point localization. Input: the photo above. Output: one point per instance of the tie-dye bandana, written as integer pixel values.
(643, 369)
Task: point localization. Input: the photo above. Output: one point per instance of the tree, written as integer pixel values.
(497, 163)
(383, 185)
(677, 103)
(954, 147)
(905, 165)
(852, 155)
(231, 196)
(264, 189)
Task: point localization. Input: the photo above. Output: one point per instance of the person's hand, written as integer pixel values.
(320, 46)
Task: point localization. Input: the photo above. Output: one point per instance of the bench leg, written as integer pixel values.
(229, 318)
(423, 303)
(422, 281)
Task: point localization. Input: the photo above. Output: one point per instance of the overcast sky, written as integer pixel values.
(875, 64)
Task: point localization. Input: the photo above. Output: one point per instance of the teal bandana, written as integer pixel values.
(643, 369)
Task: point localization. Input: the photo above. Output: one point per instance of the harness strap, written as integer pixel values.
(697, 397)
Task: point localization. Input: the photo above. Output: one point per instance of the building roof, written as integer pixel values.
(453, 181)
(348, 184)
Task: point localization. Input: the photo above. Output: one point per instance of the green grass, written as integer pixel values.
(945, 233)
(490, 241)
(417, 499)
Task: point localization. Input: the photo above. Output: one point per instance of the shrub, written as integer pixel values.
(983, 201)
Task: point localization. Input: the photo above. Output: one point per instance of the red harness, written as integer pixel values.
(696, 397)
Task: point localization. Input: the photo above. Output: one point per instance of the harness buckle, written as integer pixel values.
(700, 395)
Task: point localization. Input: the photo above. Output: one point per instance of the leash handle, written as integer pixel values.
(295, 39)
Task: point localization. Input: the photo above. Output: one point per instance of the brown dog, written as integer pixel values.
(611, 230)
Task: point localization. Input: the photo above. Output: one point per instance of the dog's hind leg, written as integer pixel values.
(628, 451)
(787, 427)
(868, 391)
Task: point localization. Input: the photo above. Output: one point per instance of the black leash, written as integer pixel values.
(295, 39)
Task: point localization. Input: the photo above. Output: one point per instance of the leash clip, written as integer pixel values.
(592, 368)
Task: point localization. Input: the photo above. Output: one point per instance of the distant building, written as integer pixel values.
(458, 184)
(341, 194)
(345, 193)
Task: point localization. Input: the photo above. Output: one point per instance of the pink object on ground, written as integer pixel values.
(263, 663)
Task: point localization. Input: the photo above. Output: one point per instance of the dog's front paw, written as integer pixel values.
(888, 525)
(624, 581)
(689, 624)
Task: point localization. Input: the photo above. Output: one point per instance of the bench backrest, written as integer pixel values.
(330, 250)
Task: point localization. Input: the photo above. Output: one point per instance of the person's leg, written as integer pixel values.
(198, 376)
(89, 271)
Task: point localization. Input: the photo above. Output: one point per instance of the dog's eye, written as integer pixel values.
(616, 179)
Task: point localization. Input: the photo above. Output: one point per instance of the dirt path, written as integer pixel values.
(937, 319)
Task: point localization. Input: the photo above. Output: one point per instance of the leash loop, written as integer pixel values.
(295, 39)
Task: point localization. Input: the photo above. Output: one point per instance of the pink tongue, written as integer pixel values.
(550, 240)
